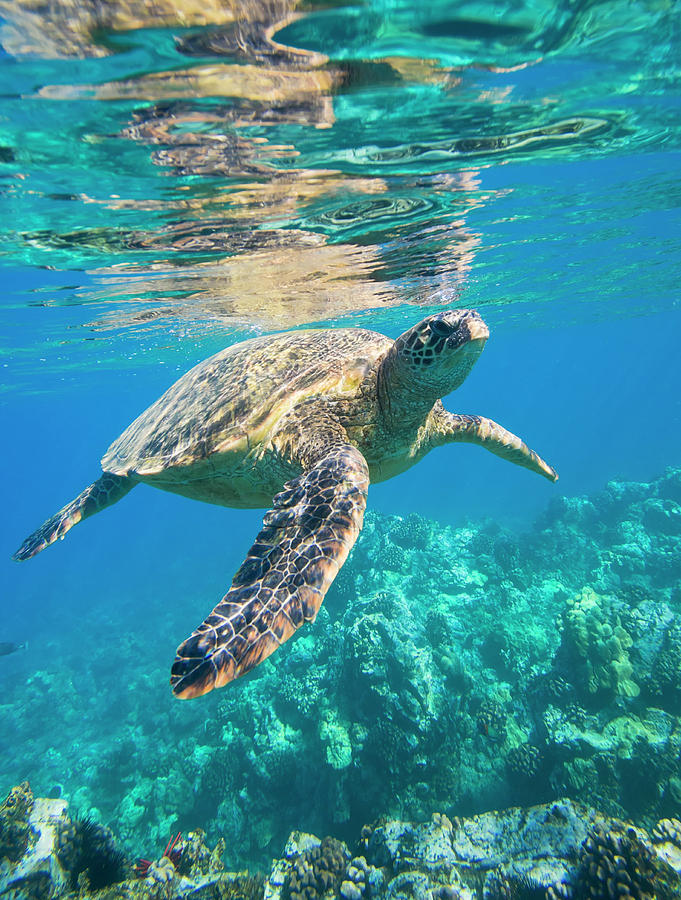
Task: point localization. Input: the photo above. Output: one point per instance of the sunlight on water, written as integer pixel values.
(212, 175)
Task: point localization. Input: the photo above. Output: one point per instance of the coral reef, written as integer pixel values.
(87, 852)
(412, 532)
(317, 871)
(31, 870)
(602, 645)
(78, 858)
(14, 829)
(617, 865)
(553, 851)
(525, 761)
(450, 669)
(556, 851)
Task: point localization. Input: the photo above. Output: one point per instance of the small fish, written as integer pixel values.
(7, 647)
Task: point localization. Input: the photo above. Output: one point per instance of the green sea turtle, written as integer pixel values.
(308, 418)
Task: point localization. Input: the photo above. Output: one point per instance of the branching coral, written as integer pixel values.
(354, 884)
(303, 692)
(491, 719)
(502, 886)
(392, 557)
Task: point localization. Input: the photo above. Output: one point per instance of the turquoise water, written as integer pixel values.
(171, 187)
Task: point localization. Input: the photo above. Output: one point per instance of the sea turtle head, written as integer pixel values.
(436, 355)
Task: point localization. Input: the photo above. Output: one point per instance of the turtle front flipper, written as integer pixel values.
(304, 541)
(102, 493)
(493, 437)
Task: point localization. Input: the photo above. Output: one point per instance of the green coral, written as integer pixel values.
(393, 557)
(338, 745)
(664, 682)
(303, 692)
(601, 642)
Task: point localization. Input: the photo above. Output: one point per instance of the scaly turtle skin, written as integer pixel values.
(308, 418)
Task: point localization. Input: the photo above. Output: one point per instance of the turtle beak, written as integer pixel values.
(477, 330)
(477, 333)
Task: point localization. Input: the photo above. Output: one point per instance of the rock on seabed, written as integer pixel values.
(552, 849)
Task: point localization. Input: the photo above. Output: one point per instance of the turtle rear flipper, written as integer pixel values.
(304, 541)
(102, 493)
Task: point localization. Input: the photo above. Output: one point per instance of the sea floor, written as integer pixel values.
(451, 669)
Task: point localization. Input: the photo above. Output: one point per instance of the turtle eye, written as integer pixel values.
(440, 328)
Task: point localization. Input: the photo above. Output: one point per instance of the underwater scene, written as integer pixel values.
(382, 298)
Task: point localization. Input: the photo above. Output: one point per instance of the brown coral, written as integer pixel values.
(668, 831)
(15, 830)
(318, 871)
(617, 866)
(197, 858)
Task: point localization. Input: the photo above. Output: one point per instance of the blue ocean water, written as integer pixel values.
(170, 187)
